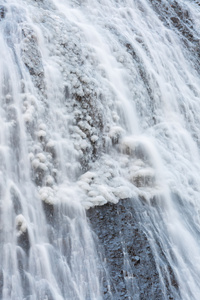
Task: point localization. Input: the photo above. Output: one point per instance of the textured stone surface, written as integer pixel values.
(176, 16)
(3, 11)
(127, 254)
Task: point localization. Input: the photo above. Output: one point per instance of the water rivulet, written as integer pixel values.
(99, 132)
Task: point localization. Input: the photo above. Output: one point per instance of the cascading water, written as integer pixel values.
(99, 102)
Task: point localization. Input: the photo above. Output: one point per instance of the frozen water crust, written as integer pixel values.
(76, 112)
(93, 88)
(94, 123)
(128, 173)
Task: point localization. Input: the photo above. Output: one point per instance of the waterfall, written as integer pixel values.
(99, 103)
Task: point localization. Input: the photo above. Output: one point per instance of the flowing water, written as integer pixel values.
(100, 101)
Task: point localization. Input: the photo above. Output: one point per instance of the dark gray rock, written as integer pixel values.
(31, 57)
(129, 261)
(3, 11)
(176, 16)
(24, 242)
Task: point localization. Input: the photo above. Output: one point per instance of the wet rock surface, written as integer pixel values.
(32, 58)
(3, 11)
(126, 252)
(177, 17)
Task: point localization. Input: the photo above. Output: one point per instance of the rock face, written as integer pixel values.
(127, 254)
(176, 16)
(2, 12)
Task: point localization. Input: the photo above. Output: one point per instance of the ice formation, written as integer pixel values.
(99, 103)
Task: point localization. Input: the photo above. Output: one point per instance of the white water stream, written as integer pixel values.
(99, 102)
